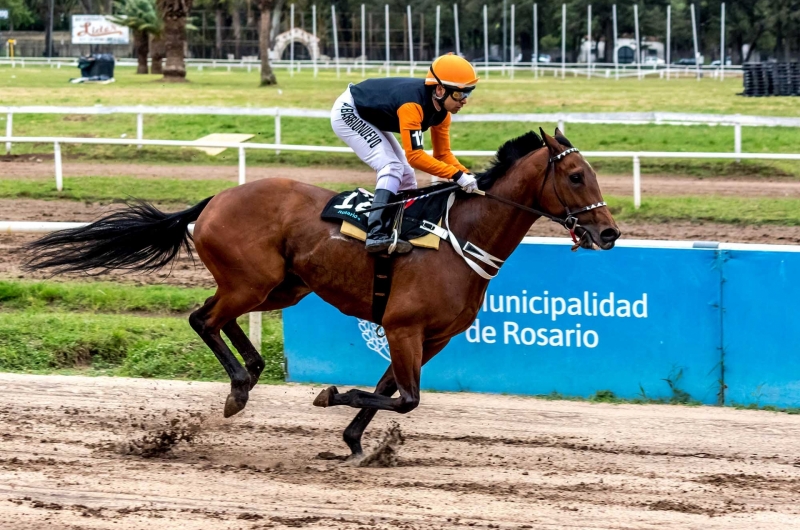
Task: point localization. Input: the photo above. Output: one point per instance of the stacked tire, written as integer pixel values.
(771, 79)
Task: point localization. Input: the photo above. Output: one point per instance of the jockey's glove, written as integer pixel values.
(467, 182)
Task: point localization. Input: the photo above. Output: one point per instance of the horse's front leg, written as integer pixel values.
(406, 354)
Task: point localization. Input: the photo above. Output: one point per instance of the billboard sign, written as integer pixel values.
(97, 29)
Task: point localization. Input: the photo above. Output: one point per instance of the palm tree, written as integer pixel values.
(267, 77)
(175, 14)
(143, 20)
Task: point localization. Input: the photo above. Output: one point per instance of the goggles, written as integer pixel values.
(460, 95)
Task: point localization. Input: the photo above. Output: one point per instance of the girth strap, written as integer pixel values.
(470, 248)
(381, 286)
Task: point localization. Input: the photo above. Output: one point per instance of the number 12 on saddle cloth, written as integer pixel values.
(422, 218)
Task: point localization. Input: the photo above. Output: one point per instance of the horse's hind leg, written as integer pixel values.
(288, 293)
(224, 307)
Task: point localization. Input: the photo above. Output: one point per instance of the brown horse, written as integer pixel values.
(267, 248)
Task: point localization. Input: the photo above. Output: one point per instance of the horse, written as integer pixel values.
(267, 247)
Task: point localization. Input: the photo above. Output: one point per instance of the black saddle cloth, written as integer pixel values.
(349, 205)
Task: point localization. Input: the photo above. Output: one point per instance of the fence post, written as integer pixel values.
(255, 330)
(278, 129)
(737, 140)
(637, 183)
(561, 125)
(139, 128)
(9, 121)
(57, 158)
(242, 176)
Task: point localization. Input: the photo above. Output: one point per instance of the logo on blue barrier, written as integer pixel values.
(376, 343)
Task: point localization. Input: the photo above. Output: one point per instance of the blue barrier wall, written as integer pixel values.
(760, 326)
(639, 321)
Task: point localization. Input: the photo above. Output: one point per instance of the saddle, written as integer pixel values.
(421, 219)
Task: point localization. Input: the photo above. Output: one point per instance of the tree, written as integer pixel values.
(143, 20)
(267, 76)
(174, 13)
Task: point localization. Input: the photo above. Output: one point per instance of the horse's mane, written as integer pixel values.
(507, 155)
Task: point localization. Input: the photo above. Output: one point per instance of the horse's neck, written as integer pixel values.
(499, 228)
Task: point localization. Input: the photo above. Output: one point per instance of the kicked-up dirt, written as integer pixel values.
(103, 453)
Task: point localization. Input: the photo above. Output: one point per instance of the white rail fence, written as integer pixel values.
(736, 121)
(358, 65)
(635, 156)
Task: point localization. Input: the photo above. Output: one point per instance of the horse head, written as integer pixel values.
(570, 190)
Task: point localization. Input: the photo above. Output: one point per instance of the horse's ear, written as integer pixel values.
(552, 144)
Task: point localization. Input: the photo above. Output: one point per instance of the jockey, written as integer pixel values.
(367, 114)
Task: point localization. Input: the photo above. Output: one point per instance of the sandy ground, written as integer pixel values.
(17, 168)
(72, 456)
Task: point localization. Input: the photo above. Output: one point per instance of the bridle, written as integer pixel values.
(570, 219)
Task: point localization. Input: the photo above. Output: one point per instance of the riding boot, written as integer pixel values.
(380, 227)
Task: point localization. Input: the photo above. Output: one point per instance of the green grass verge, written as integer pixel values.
(111, 189)
(92, 328)
(101, 297)
(734, 210)
(496, 95)
(123, 345)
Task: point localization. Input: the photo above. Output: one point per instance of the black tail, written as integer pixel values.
(138, 238)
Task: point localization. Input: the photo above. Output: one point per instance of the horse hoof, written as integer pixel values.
(232, 406)
(325, 398)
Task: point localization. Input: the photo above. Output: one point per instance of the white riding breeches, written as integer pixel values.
(380, 150)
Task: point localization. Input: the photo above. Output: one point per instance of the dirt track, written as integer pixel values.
(70, 458)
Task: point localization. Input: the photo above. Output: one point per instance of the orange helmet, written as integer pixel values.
(452, 72)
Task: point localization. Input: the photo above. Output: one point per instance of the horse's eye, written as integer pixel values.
(576, 178)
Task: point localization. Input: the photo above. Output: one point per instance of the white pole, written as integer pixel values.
(455, 19)
(589, 33)
(669, 36)
(638, 47)
(314, 29)
(363, 41)
(637, 183)
(335, 39)
(616, 58)
(563, 40)
(277, 128)
(255, 330)
(9, 121)
(291, 41)
(388, 63)
(242, 177)
(57, 158)
(486, 41)
(410, 43)
(535, 41)
(722, 45)
(737, 140)
(438, 16)
(139, 128)
(512, 42)
(694, 38)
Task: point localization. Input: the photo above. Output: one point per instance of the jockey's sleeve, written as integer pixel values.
(410, 118)
(440, 137)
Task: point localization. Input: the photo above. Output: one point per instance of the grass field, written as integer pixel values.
(495, 95)
(113, 329)
(186, 192)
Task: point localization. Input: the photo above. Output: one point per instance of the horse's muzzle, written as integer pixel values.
(590, 240)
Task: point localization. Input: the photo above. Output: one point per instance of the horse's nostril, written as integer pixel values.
(609, 234)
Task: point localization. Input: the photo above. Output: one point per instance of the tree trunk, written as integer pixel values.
(237, 32)
(174, 13)
(218, 32)
(608, 31)
(267, 77)
(141, 44)
(157, 55)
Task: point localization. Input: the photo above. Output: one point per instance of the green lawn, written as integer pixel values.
(496, 95)
(185, 192)
(114, 329)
